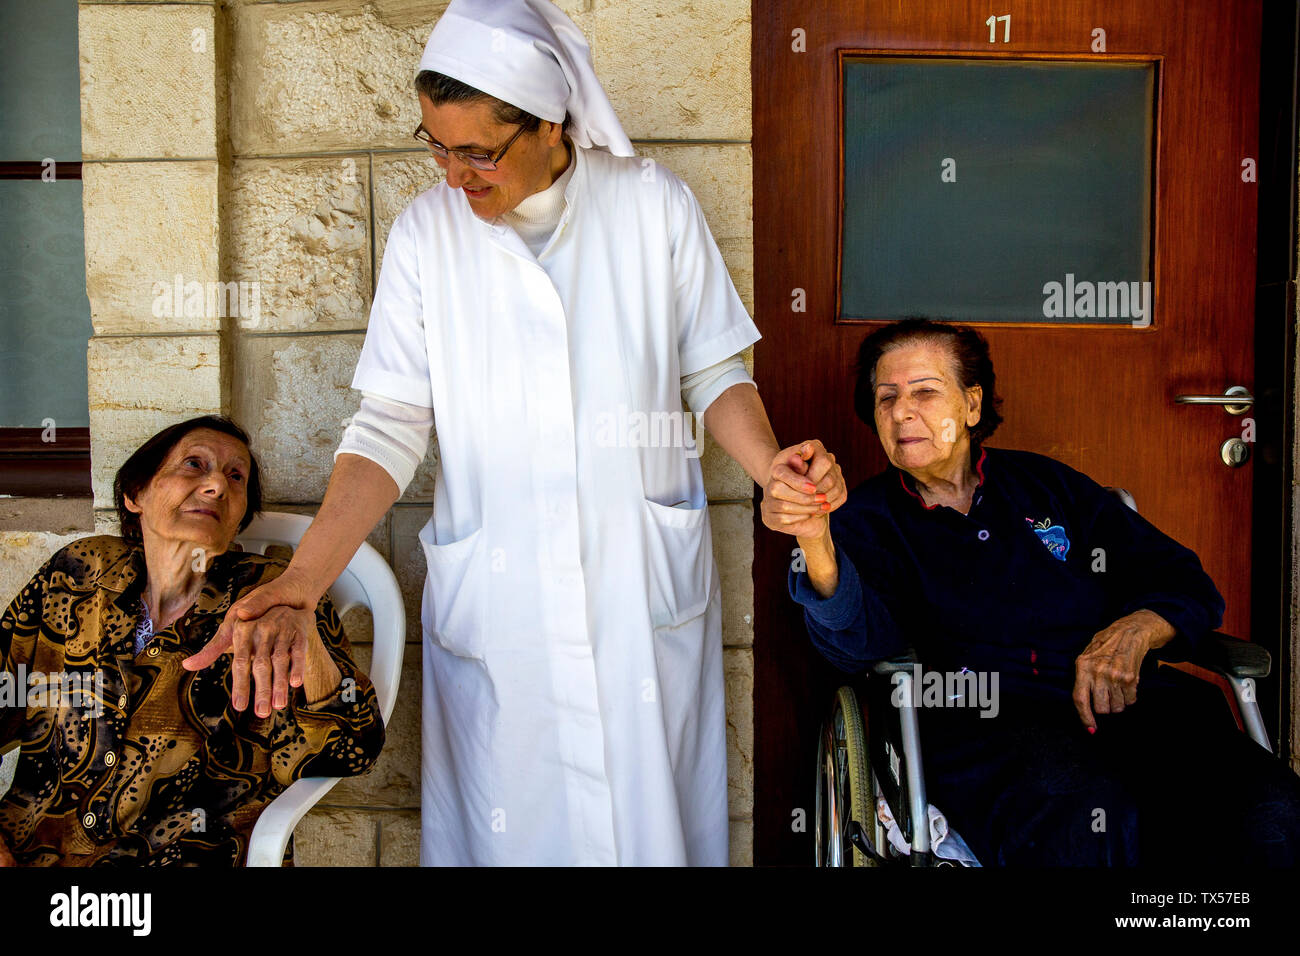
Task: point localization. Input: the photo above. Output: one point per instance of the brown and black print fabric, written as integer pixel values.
(154, 765)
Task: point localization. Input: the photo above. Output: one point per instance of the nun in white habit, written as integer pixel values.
(549, 305)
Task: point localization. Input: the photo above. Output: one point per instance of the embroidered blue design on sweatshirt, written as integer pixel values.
(1052, 536)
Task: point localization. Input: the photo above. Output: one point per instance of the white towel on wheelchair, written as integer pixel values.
(945, 842)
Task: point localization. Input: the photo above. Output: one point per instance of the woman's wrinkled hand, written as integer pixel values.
(273, 638)
(804, 486)
(1106, 673)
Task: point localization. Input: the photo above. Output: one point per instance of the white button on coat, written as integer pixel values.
(561, 582)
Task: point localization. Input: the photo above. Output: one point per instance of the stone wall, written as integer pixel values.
(270, 142)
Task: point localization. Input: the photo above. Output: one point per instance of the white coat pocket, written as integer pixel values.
(454, 611)
(678, 555)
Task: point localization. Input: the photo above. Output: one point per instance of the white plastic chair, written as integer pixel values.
(369, 582)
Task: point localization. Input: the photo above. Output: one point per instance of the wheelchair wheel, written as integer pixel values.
(845, 789)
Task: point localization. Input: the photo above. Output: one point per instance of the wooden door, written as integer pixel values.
(1098, 395)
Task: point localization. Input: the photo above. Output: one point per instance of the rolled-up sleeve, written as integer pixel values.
(393, 435)
(702, 388)
(851, 627)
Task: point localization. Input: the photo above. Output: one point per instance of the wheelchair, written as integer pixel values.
(870, 758)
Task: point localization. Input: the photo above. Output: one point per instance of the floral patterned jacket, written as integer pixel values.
(134, 760)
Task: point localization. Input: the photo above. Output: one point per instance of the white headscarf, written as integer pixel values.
(529, 54)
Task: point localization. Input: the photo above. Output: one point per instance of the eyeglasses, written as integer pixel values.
(487, 161)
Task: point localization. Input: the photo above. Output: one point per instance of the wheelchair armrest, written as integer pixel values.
(1232, 657)
(900, 663)
(1222, 653)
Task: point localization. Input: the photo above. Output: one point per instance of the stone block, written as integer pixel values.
(140, 385)
(333, 75)
(674, 71)
(300, 229)
(321, 76)
(293, 395)
(399, 838)
(147, 224)
(733, 552)
(148, 81)
(333, 837)
(738, 671)
(742, 842)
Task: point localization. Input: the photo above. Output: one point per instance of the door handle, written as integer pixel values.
(1235, 400)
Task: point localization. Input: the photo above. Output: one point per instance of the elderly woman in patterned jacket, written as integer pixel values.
(131, 752)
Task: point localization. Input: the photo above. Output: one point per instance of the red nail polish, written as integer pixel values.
(1092, 730)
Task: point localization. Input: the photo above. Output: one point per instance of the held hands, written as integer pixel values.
(272, 635)
(805, 485)
(1106, 673)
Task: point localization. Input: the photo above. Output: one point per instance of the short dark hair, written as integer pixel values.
(441, 89)
(138, 470)
(970, 358)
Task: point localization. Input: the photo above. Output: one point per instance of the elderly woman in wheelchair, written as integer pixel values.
(1005, 610)
(132, 710)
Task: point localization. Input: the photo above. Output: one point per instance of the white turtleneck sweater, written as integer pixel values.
(395, 435)
(537, 216)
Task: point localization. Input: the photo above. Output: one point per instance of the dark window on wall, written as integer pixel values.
(44, 312)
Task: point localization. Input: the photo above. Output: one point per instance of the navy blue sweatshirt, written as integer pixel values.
(1045, 559)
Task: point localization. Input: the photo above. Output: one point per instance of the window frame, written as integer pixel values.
(29, 466)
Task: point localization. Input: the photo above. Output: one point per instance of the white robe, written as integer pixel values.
(573, 689)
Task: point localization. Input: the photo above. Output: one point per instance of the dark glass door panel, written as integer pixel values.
(997, 190)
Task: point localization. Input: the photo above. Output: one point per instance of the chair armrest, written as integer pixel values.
(899, 664)
(1231, 657)
(275, 824)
